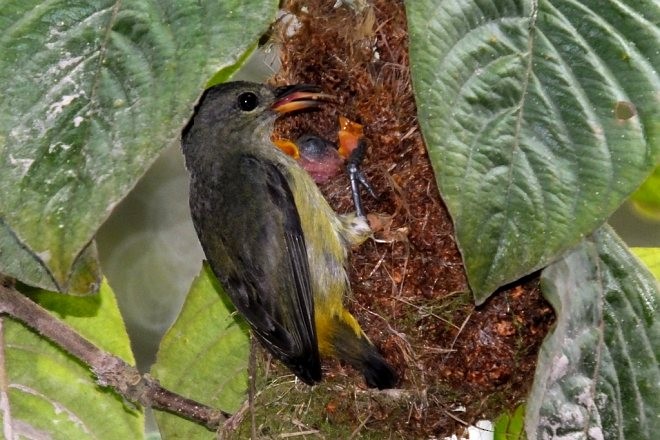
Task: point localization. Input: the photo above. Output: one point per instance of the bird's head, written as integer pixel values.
(242, 111)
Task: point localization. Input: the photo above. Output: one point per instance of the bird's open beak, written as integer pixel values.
(298, 97)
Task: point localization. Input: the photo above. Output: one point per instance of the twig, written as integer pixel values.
(252, 377)
(110, 371)
(298, 434)
(459, 420)
(422, 310)
(7, 426)
(460, 330)
(357, 430)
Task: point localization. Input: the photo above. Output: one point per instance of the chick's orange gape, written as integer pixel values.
(350, 135)
(321, 158)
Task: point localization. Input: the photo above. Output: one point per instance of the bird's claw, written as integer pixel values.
(357, 177)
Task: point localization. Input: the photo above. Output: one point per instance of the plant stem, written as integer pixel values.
(110, 371)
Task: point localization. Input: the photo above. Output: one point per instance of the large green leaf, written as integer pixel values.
(52, 395)
(598, 373)
(92, 91)
(540, 118)
(203, 356)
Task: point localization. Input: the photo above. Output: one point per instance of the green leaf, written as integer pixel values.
(647, 198)
(540, 119)
(52, 395)
(18, 261)
(650, 257)
(226, 73)
(92, 91)
(510, 426)
(598, 372)
(203, 356)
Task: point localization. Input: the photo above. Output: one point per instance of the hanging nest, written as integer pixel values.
(457, 362)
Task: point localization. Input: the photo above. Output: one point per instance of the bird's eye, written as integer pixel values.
(247, 101)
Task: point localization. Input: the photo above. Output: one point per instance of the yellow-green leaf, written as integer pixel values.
(650, 257)
(52, 395)
(203, 356)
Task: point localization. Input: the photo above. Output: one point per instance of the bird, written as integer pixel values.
(271, 239)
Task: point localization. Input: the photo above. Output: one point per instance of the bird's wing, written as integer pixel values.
(253, 239)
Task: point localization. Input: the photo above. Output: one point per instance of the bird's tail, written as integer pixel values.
(350, 344)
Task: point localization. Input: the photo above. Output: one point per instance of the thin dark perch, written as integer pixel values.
(110, 371)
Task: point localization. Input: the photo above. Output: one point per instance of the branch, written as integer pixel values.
(110, 371)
